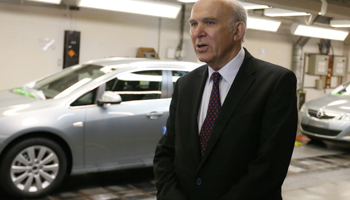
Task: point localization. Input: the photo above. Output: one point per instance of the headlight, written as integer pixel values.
(346, 117)
(303, 108)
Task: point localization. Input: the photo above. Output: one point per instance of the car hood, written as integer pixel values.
(331, 103)
(11, 100)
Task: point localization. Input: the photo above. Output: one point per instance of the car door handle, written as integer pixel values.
(154, 115)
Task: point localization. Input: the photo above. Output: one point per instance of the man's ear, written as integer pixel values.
(239, 31)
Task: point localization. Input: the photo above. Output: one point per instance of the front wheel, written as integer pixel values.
(33, 168)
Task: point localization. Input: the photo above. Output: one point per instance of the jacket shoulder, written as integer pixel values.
(269, 70)
(267, 66)
(195, 73)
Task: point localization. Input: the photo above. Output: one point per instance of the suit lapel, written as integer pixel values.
(198, 89)
(239, 87)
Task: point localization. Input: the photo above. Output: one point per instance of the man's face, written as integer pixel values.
(212, 40)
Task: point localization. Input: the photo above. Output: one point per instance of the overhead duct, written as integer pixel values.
(297, 57)
(182, 26)
(324, 7)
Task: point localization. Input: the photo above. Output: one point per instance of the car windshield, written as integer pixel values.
(66, 81)
(342, 90)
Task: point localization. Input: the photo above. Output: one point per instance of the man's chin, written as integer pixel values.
(202, 59)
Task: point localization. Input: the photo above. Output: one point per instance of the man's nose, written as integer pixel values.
(199, 31)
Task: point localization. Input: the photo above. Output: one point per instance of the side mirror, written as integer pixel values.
(109, 97)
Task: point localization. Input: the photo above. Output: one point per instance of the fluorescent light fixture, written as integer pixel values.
(319, 32)
(250, 6)
(188, 1)
(263, 24)
(276, 12)
(340, 23)
(48, 1)
(153, 8)
(247, 6)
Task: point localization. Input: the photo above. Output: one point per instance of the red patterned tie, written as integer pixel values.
(212, 113)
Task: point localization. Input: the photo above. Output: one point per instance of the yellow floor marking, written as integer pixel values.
(298, 143)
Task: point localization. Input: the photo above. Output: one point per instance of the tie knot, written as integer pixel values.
(216, 77)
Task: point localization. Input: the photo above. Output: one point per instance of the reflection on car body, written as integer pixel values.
(327, 117)
(106, 114)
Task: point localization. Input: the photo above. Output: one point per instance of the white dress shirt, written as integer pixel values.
(228, 74)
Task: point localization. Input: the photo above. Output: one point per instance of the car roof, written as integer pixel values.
(122, 62)
(115, 61)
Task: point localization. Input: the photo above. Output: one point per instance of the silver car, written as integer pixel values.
(327, 117)
(106, 114)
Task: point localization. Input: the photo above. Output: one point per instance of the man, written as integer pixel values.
(232, 123)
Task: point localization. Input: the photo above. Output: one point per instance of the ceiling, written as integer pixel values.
(336, 9)
(339, 9)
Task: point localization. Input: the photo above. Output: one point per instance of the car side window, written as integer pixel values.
(140, 85)
(86, 99)
(176, 75)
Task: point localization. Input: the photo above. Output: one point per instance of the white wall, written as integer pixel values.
(25, 30)
(271, 47)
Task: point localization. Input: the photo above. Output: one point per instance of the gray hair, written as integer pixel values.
(239, 13)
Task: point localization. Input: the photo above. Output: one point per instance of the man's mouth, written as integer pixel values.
(201, 47)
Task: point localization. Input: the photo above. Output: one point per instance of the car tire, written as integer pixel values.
(32, 168)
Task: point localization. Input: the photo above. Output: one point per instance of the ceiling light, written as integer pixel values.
(188, 1)
(249, 6)
(319, 32)
(153, 8)
(48, 1)
(340, 23)
(276, 12)
(263, 24)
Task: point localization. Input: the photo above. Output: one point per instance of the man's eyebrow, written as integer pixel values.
(209, 18)
(202, 19)
(189, 20)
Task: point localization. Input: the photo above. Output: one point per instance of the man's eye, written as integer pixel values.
(210, 22)
(193, 24)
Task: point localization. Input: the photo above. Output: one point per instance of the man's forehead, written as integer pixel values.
(206, 5)
(209, 9)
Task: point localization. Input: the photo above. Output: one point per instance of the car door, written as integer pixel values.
(126, 134)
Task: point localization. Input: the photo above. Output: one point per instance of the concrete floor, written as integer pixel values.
(319, 173)
(338, 190)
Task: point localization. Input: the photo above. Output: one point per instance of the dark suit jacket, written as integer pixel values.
(251, 144)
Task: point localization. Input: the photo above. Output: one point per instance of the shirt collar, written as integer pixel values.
(230, 70)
